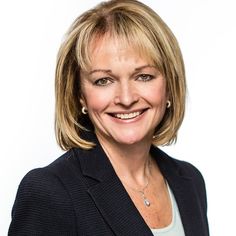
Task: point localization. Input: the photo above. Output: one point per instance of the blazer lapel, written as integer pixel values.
(110, 196)
(186, 201)
(184, 192)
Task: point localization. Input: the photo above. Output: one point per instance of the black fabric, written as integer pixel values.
(80, 194)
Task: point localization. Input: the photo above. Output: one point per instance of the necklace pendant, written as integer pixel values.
(146, 202)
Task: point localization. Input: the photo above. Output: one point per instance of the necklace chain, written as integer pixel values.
(146, 202)
(142, 192)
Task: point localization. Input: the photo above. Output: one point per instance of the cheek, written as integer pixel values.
(156, 95)
(96, 100)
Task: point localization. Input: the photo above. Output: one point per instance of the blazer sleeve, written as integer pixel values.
(42, 206)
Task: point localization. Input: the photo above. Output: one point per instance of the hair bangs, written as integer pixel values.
(129, 32)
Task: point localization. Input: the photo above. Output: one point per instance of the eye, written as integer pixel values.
(103, 81)
(145, 77)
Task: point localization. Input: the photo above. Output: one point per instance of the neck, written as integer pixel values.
(130, 162)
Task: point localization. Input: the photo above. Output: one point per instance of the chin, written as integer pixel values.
(130, 140)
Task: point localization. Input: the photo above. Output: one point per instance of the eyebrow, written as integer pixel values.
(110, 71)
(145, 66)
(99, 70)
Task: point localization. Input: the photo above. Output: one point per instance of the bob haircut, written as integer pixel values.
(135, 24)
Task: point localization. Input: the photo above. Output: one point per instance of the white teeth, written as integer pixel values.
(127, 116)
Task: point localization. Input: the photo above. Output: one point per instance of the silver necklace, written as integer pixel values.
(142, 192)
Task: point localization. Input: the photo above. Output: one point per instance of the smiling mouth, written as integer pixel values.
(127, 116)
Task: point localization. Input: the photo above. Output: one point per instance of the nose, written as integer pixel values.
(126, 95)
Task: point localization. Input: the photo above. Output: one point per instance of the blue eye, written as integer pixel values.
(145, 77)
(103, 82)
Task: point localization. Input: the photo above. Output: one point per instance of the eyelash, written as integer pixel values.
(107, 80)
(145, 77)
(99, 82)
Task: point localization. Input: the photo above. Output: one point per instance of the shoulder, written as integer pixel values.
(190, 171)
(49, 175)
(50, 178)
(182, 168)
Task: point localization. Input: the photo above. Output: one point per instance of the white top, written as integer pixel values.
(175, 228)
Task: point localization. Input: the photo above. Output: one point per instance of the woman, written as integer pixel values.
(120, 92)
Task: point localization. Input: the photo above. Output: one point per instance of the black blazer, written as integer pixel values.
(80, 194)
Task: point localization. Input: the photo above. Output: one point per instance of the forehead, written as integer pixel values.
(116, 48)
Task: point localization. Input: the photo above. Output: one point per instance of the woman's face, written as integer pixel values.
(124, 93)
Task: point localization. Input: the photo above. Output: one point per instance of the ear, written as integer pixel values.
(82, 101)
(168, 96)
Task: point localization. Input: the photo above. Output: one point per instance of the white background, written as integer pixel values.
(30, 35)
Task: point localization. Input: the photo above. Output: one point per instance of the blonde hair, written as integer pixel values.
(138, 25)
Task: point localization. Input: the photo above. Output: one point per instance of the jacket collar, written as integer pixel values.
(114, 203)
(181, 184)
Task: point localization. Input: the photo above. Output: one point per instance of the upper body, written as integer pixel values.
(80, 194)
(120, 76)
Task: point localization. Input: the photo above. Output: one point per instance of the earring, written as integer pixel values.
(154, 136)
(168, 104)
(84, 111)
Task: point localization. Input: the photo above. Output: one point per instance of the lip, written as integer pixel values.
(127, 116)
